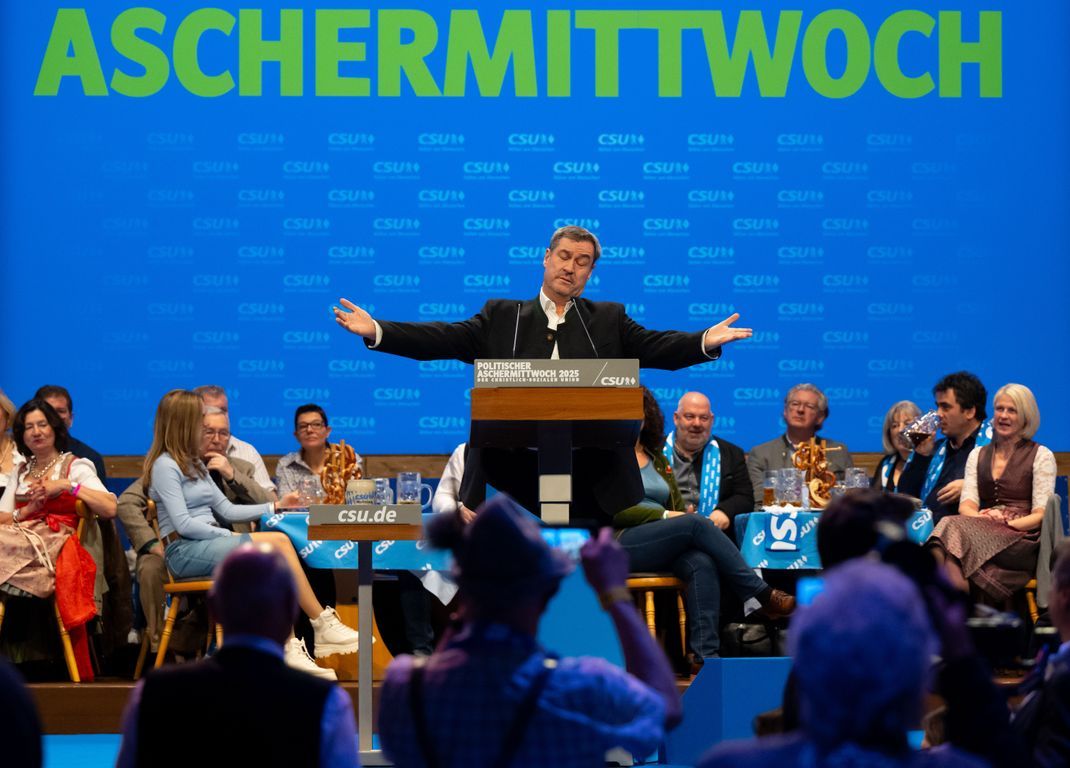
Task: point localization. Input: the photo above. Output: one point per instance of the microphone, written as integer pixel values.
(516, 329)
(576, 304)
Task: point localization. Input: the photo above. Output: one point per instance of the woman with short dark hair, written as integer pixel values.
(37, 511)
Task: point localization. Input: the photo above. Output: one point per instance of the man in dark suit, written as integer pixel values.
(557, 324)
(710, 471)
(264, 712)
(1043, 718)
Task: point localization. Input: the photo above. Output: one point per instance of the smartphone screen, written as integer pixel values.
(808, 588)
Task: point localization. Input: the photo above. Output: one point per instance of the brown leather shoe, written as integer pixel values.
(779, 605)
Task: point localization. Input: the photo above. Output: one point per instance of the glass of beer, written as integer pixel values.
(923, 427)
(769, 487)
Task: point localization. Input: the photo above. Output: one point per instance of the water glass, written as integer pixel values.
(856, 477)
(309, 490)
(384, 494)
(411, 488)
(790, 486)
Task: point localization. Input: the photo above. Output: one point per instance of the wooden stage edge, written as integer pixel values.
(67, 708)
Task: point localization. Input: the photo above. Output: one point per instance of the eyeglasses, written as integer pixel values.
(214, 433)
(801, 404)
(311, 426)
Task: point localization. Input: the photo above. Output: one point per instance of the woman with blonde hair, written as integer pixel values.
(8, 454)
(992, 543)
(899, 453)
(195, 543)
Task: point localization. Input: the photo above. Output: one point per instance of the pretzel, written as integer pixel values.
(811, 457)
(339, 468)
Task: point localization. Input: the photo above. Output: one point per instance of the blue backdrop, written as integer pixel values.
(874, 241)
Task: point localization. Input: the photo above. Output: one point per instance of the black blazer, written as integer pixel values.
(506, 328)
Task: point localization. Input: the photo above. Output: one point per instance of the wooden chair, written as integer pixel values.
(643, 586)
(85, 517)
(173, 591)
(1031, 600)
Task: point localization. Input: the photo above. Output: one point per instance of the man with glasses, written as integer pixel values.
(235, 479)
(805, 411)
(214, 396)
(710, 471)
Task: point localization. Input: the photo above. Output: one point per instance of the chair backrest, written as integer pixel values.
(153, 519)
(85, 515)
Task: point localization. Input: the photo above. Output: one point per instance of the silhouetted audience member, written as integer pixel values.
(20, 728)
(869, 524)
(490, 695)
(862, 654)
(1043, 717)
(264, 712)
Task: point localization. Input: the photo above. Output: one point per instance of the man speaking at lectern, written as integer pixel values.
(558, 324)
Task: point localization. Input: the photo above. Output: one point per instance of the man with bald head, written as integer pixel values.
(266, 712)
(710, 471)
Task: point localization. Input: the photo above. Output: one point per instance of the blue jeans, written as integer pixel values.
(700, 554)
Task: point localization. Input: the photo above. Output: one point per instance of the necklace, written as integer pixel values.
(37, 474)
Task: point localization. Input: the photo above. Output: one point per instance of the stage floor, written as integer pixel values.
(99, 750)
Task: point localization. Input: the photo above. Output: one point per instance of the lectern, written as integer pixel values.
(554, 406)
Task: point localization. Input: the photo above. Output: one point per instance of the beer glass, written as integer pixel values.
(411, 488)
(769, 487)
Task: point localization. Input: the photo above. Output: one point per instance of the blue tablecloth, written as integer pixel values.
(389, 555)
(788, 540)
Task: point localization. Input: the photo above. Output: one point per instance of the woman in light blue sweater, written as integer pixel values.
(188, 504)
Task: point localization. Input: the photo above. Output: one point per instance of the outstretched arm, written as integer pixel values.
(723, 333)
(464, 340)
(356, 320)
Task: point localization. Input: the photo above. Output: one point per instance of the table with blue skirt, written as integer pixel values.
(575, 604)
(788, 540)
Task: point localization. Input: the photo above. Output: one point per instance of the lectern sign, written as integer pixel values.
(365, 514)
(557, 373)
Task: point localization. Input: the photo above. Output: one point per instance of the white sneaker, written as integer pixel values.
(332, 636)
(296, 657)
